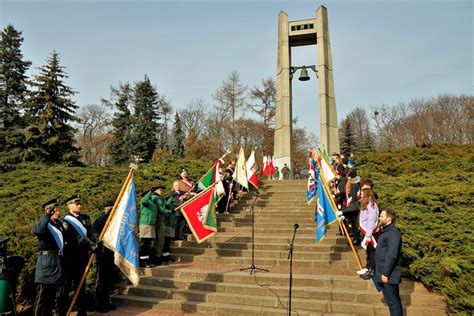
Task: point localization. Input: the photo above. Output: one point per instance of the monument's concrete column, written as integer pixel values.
(283, 112)
(313, 31)
(327, 101)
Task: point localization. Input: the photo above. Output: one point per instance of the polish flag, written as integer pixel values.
(252, 174)
(265, 166)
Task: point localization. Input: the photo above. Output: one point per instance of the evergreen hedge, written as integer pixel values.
(431, 189)
(25, 189)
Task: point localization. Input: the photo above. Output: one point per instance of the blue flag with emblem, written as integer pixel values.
(312, 177)
(120, 235)
(325, 212)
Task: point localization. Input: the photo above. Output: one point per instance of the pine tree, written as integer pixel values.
(50, 110)
(178, 138)
(121, 146)
(144, 134)
(348, 139)
(13, 89)
(369, 142)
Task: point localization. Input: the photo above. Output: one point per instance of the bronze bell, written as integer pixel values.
(303, 75)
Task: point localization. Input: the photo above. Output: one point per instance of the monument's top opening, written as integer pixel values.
(302, 32)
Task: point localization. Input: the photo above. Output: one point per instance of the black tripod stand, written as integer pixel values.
(290, 257)
(252, 267)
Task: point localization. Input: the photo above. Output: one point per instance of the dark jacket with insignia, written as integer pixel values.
(49, 265)
(388, 255)
(104, 254)
(77, 249)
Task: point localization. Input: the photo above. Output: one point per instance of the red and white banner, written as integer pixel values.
(251, 166)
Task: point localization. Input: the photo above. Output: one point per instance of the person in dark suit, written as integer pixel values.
(80, 239)
(49, 273)
(105, 268)
(387, 261)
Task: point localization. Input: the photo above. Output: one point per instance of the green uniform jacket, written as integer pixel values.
(160, 203)
(171, 218)
(148, 210)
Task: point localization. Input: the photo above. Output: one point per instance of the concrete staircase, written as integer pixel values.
(206, 278)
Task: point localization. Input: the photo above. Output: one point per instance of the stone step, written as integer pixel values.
(270, 230)
(211, 308)
(262, 246)
(264, 254)
(330, 239)
(267, 224)
(265, 262)
(329, 280)
(160, 287)
(229, 304)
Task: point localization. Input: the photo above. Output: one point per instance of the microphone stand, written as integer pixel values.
(252, 267)
(290, 257)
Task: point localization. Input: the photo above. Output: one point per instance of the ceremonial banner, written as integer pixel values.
(196, 211)
(120, 234)
(240, 174)
(265, 166)
(312, 176)
(252, 174)
(325, 214)
(212, 176)
(325, 168)
(271, 166)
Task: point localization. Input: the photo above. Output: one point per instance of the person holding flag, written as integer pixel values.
(104, 267)
(118, 235)
(80, 238)
(368, 225)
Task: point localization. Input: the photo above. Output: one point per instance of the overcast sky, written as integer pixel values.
(384, 52)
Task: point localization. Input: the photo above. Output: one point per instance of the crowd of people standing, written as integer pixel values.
(372, 229)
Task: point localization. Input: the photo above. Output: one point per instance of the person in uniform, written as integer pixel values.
(49, 272)
(185, 183)
(173, 221)
(286, 172)
(158, 199)
(105, 268)
(80, 239)
(147, 228)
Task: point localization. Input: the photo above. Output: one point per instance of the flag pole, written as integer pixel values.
(231, 186)
(222, 157)
(133, 166)
(341, 223)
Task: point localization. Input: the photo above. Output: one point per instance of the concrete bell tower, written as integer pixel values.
(301, 33)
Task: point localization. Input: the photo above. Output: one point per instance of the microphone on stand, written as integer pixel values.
(296, 226)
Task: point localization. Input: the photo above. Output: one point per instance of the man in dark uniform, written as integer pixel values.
(49, 272)
(177, 197)
(105, 268)
(76, 254)
(388, 255)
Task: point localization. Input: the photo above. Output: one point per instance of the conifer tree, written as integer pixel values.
(348, 139)
(178, 138)
(121, 100)
(50, 110)
(144, 134)
(13, 90)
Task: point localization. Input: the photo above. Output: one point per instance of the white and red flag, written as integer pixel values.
(265, 166)
(252, 174)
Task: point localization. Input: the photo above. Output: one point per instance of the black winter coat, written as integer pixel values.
(388, 255)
